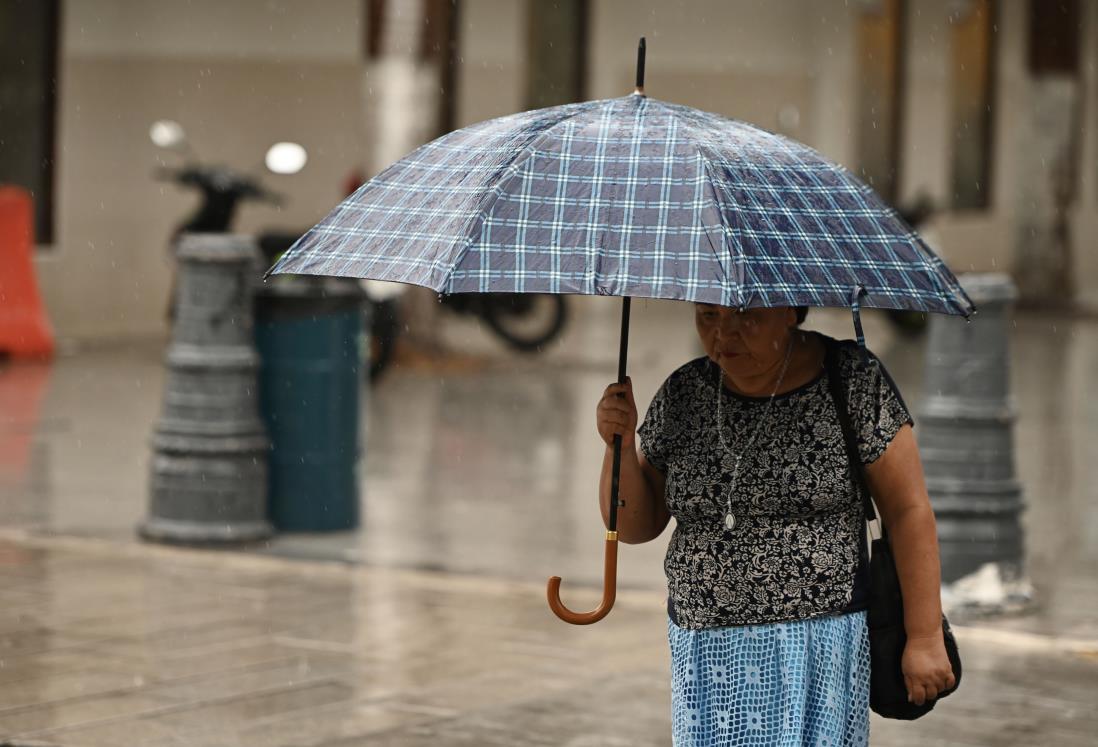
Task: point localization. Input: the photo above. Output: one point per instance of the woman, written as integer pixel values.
(767, 568)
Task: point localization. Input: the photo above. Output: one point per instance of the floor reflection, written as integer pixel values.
(492, 469)
(23, 455)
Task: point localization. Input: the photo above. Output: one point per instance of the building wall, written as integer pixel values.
(1085, 224)
(242, 75)
(764, 62)
(973, 240)
(986, 240)
(238, 76)
(491, 75)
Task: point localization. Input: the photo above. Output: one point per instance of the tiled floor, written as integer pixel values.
(478, 483)
(105, 644)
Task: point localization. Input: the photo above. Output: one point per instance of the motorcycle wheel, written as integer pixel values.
(383, 334)
(525, 321)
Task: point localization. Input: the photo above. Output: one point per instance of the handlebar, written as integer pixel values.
(218, 180)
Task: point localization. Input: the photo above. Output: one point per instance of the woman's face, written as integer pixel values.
(744, 343)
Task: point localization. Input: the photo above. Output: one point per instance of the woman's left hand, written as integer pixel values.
(926, 668)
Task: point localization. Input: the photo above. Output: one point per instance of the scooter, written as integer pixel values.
(223, 190)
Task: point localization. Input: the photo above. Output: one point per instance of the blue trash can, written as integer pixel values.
(308, 332)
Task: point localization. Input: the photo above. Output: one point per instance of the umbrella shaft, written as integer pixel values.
(623, 350)
(623, 356)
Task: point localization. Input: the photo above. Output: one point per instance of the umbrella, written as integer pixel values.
(627, 197)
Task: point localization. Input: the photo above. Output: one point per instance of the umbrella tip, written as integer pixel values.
(641, 49)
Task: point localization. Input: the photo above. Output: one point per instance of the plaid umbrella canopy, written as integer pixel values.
(628, 197)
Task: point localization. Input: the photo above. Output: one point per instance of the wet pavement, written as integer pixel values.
(107, 644)
(478, 483)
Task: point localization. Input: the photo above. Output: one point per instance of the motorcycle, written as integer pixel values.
(223, 190)
(525, 321)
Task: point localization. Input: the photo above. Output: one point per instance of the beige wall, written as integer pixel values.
(926, 115)
(242, 75)
(491, 77)
(977, 240)
(745, 59)
(985, 240)
(239, 76)
(1085, 225)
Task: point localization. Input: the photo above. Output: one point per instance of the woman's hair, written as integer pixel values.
(802, 313)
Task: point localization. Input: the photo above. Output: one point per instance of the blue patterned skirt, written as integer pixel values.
(800, 683)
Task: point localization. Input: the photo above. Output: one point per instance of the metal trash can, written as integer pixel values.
(308, 332)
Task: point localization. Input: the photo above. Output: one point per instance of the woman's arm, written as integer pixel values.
(640, 485)
(644, 515)
(899, 489)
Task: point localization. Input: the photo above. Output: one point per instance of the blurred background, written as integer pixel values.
(477, 465)
(983, 108)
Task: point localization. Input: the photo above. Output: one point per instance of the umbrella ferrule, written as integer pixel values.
(611, 536)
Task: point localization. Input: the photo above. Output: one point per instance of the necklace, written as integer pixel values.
(729, 517)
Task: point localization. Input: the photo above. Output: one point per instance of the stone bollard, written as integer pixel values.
(209, 470)
(966, 438)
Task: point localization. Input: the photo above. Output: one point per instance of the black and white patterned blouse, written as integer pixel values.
(798, 540)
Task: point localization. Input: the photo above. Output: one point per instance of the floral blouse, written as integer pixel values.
(798, 542)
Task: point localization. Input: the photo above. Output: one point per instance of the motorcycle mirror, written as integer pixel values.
(168, 134)
(286, 158)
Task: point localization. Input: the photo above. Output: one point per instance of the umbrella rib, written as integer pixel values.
(946, 289)
(493, 195)
(735, 249)
(735, 261)
(947, 283)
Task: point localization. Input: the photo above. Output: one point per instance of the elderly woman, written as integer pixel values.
(767, 570)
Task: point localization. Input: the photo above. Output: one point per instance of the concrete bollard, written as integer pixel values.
(209, 470)
(966, 435)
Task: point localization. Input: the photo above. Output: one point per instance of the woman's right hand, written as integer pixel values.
(617, 415)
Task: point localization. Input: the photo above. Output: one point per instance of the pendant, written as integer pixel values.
(729, 521)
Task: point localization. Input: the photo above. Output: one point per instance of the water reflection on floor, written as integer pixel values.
(490, 467)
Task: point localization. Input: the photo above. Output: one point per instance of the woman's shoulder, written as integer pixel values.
(852, 357)
(863, 372)
(688, 374)
(685, 380)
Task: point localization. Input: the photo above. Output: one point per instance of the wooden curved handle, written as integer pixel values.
(609, 589)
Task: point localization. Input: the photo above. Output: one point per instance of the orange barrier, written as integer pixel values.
(24, 330)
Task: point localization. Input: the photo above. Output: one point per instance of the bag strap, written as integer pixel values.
(842, 409)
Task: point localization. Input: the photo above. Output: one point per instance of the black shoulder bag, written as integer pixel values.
(885, 618)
